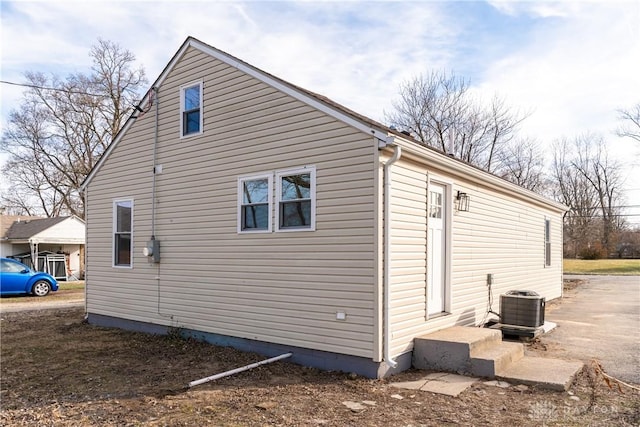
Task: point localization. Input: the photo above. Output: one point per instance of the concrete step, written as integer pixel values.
(543, 372)
(451, 349)
(489, 362)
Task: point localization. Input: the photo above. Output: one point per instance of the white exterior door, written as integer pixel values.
(436, 249)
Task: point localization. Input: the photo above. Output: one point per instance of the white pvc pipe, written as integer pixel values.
(237, 370)
(387, 256)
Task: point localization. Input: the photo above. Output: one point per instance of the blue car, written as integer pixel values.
(16, 278)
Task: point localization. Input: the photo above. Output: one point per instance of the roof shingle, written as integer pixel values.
(26, 229)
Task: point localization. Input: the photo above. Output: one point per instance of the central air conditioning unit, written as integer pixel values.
(522, 308)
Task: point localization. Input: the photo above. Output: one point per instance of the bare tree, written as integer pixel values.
(521, 162)
(574, 191)
(430, 107)
(603, 173)
(631, 123)
(590, 182)
(63, 126)
(438, 110)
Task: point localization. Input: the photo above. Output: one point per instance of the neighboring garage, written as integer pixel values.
(54, 245)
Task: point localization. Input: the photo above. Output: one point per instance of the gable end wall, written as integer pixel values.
(284, 288)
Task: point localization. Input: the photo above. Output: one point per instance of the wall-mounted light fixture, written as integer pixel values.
(463, 201)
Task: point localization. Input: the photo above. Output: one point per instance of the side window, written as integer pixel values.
(547, 242)
(191, 109)
(122, 232)
(296, 195)
(254, 197)
(11, 267)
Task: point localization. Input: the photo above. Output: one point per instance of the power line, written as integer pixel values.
(599, 217)
(609, 207)
(32, 86)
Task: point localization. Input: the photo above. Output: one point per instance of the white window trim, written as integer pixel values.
(241, 180)
(113, 233)
(305, 169)
(182, 90)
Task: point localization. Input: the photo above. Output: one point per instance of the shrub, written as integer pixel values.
(596, 251)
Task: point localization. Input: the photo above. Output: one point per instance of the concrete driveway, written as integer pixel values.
(600, 320)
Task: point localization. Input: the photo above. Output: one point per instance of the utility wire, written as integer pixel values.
(598, 216)
(73, 92)
(613, 207)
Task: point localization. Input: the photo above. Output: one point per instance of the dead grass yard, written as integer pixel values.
(57, 370)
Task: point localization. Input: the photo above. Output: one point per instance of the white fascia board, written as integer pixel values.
(57, 241)
(42, 237)
(457, 168)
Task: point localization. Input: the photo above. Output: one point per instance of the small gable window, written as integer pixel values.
(191, 109)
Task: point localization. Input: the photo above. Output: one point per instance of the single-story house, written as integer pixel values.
(54, 245)
(250, 212)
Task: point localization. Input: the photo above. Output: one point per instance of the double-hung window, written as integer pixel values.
(191, 109)
(296, 199)
(255, 196)
(122, 232)
(547, 242)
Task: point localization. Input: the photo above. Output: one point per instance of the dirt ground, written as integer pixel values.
(67, 291)
(57, 370)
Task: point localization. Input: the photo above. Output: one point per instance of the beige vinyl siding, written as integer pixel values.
(408, 253)
(505, 238)
(278, 287)
(497, 228)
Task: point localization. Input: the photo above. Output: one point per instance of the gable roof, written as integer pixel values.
(384, 134)
(29, 228)
(312, 99)
(6, 221)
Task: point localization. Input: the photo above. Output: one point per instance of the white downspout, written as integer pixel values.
(387, 255)
(86, 239)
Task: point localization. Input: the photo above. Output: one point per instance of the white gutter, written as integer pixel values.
(459, 169)
(387, 255)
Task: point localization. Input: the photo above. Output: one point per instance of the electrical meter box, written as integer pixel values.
(152, 250)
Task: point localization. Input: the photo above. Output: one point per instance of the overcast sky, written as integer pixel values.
(572, 64)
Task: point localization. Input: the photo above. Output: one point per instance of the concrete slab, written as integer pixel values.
(450, 385)
(440, 382)
(496, 383)
(547, 373)
(548, 327)
(410, 385)
(436, 375)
